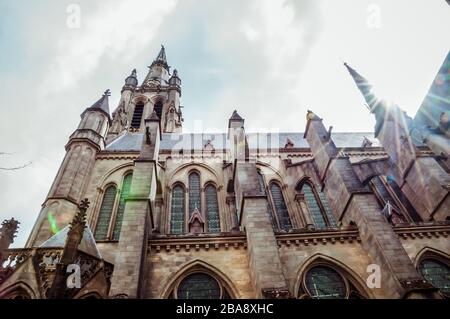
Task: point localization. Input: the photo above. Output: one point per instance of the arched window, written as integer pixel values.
(159, 108)
(212, 209)
(137, 115)
(105, 214)
(125, 192)
(199, 285)
(282, 214)
(387, 191)
(318, 207)
(177, 214)
(262, 188)
(436, 273)
(325, 282)
(194, 192)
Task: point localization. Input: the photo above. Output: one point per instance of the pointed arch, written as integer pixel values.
(193, 167)
(105, 180)
(198, 266)
(346, 272)
(19, 290)
(430, 252)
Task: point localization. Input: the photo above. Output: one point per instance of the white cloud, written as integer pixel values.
(115, 30)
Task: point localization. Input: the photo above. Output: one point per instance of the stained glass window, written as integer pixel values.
(194, 192)
(325, 283)
(104, 216)
(318, 207)
(123, 195)
(262, 188)
(437, 274)
(177, 214)
(198, 286)
(313, 207)
(212, 209)
(280, 207)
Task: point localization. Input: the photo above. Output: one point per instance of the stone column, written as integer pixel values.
(128, 280)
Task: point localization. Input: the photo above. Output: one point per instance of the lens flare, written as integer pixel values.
(52, 221)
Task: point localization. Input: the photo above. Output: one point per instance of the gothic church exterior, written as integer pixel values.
(146, 211)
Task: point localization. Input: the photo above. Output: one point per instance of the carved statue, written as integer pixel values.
(171, 120)
(120, 119)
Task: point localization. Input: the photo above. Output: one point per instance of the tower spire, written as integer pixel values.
(364, 87)
(161, 58)
(102, 104)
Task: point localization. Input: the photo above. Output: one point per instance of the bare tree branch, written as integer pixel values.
(15, 168)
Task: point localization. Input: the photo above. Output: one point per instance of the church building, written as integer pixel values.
(139, 209)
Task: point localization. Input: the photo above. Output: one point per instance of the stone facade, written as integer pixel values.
(237, 215)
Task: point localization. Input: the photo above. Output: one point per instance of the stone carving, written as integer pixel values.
(171, 120)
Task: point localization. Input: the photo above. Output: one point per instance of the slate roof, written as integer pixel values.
(87, 244)
(102, 105)
(132, 141)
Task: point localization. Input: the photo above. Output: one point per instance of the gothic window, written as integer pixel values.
(104, 216)
(125, 192)
(212, 209)
(436, 273)
(386, 190)
(137, 115)
(323, 282)
(318, 207)
(194, 192)
(177, 214)
(279, 205)
(159, 108)
(199, 286)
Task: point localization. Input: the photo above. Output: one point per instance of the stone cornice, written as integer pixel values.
(117, 156)
(315, 237)
(195, 243)
(423, 230)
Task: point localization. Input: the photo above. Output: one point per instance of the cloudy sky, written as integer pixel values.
(271, 60)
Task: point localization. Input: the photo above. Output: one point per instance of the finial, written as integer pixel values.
(107, 93)
(8, 229)
(133, 73)
(84, 205)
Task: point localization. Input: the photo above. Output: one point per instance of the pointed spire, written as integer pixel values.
(101, 105)
(364, 86)
(235, 116)
(161, 58)
(131, 80)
